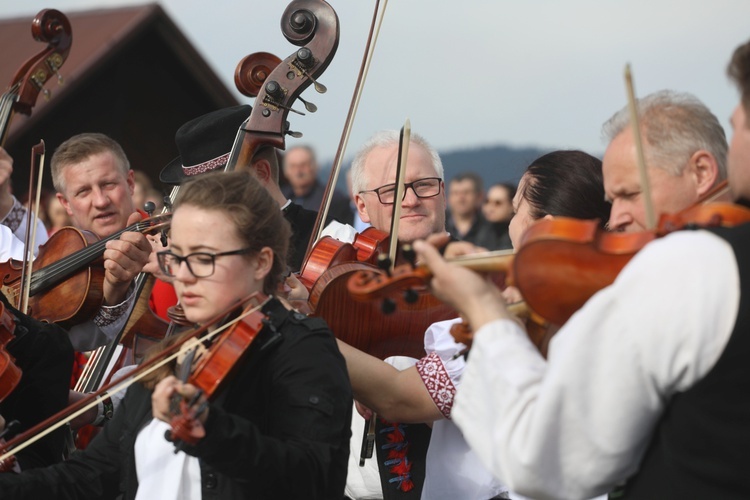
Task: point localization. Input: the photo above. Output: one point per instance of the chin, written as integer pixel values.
(410, 236)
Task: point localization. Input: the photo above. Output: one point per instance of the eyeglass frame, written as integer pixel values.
(180, 259)
(407, 185)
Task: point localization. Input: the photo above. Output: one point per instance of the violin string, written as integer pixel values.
(86, 255)
(127, 380)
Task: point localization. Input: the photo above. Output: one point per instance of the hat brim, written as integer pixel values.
(172, 173)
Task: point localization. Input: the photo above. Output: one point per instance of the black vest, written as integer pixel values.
(701, 446)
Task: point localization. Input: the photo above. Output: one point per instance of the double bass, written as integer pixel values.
(50, 26)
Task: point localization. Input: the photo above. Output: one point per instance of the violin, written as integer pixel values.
(50, 26)
(67, 284)
(328, 252)
(561, 263)
(212, 370)
(10, 374)
(406, 300)
(158, 361)
(538, 330)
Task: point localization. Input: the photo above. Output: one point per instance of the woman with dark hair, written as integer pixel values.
(278, 429)
(559, 184)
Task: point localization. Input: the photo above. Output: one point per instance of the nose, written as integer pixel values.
(410, 197)
(100, 198)
(183, 273)
(620, 218)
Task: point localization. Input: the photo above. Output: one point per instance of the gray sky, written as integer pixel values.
(479, 72)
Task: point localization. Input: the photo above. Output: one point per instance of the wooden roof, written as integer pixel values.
(131, 74)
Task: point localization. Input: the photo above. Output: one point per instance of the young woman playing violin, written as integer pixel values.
(562, 183)
(278, 429)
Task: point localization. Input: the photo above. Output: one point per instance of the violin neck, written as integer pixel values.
(499, 260)
(53, 274)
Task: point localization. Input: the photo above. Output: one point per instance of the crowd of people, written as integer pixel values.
(640, 394)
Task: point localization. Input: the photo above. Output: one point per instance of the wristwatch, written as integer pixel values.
(105, 410)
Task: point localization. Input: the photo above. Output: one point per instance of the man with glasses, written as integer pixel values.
(373, 177)
(498, 211)
(423, 391)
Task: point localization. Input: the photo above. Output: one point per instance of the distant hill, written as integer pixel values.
(492, 163)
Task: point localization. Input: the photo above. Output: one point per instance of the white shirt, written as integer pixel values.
(161, 472)
(453, 470)
(578, 424)
(10, 246)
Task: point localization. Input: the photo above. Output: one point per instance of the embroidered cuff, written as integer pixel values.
(15, 216)
(438, 382)
(109, 314)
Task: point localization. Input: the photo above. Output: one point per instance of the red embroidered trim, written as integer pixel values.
(206, 166)
(438, 382)
(398, 462)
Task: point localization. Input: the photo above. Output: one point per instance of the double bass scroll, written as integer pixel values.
(312, 25)
(50, 26)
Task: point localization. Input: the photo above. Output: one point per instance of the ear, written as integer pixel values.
(705, 170)
(130, 179)
(64, 203)
(361, 208)
(548, 217)
(262, 170)
(263, 263)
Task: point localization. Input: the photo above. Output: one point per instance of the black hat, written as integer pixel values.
(204, 143)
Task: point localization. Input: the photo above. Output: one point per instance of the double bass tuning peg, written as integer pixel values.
(305, 61)
(294, 134)
(312, 108)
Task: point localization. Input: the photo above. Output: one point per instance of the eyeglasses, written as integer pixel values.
(423, 188)
(200, 264)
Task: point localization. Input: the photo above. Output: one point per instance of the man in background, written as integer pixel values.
(301, 170)
(466, 221)
(498, 211)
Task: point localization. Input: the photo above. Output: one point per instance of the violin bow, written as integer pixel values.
(37, 151)
(377, 21)
(403, 154)
(635, 124)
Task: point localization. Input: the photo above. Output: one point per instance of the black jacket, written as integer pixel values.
(279, 430)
